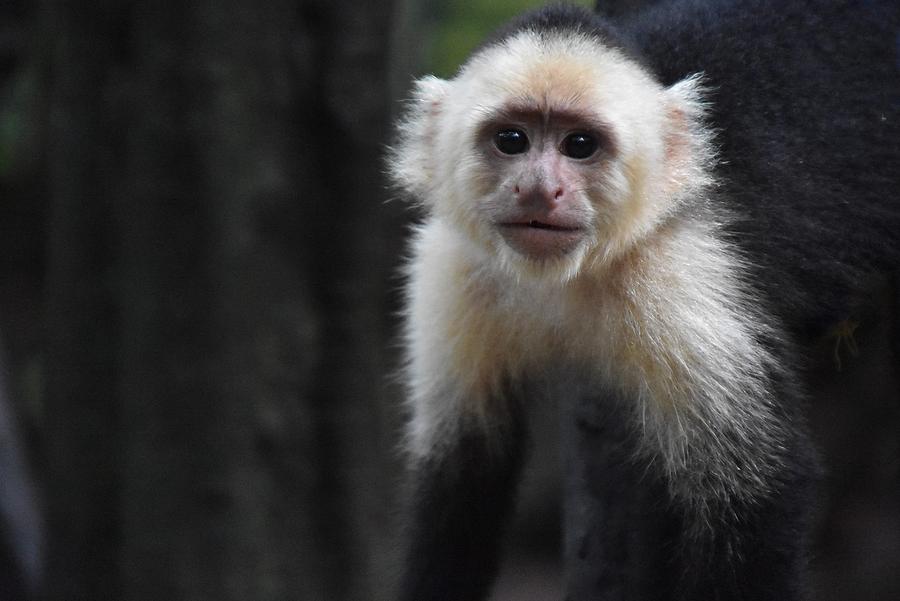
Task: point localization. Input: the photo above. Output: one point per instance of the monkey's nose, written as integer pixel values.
(539, 197)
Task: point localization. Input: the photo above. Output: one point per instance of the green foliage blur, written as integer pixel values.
(462, 25)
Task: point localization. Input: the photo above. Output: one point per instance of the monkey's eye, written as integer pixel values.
(579, 145)
(511, 141)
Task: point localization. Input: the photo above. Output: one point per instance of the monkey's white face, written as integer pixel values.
(551, 152)
(540, 168)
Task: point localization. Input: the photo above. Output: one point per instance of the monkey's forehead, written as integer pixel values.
(558, 69)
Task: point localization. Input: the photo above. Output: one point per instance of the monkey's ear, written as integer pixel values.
(688, 141)
(412, 158)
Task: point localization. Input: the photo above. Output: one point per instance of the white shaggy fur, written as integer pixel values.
(654, 304)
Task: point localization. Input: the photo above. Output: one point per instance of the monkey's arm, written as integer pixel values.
(629, 536)
(466, 431)
(461, 496)
(753, 549)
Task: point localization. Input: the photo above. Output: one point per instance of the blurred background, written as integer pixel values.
(198, 296)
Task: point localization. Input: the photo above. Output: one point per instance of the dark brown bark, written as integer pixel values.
(219, 272)
(81, 412)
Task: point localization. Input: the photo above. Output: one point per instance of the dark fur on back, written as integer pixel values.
(805, 96)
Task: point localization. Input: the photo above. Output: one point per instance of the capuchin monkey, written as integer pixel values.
(657, 217)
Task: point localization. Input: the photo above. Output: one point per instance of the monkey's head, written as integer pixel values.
(552, 151)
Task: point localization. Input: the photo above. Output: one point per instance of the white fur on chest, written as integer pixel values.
(670, 328)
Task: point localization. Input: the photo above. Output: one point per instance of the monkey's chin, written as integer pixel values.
(544, 256)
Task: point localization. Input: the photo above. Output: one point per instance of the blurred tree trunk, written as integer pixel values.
(81, 427)
(219, 263)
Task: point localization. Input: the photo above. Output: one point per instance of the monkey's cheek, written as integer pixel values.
(538, 243)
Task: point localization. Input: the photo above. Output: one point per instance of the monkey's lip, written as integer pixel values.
(540, 225)
(539, 239)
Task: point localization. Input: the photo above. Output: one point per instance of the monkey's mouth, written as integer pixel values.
(539, 225)
(538, 239)
(542, 226)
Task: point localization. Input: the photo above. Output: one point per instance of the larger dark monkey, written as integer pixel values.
(660, 213)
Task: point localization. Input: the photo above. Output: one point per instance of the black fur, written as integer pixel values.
(621, 537)
(627, 539)
(806, 102)
(460, 505)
